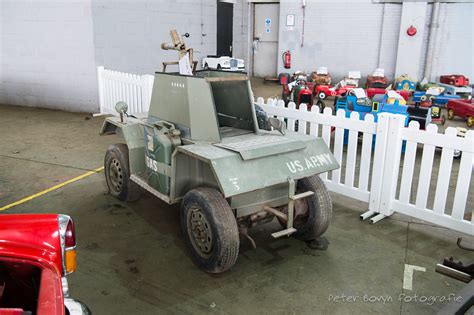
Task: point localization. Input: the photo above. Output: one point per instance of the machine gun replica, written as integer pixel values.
(178, 44)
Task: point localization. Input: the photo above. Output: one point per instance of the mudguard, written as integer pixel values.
(133, 133)
(241, 166)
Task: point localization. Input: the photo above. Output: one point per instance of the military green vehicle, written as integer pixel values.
(200, 145)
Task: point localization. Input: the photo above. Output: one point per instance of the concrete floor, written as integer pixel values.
(132, 258)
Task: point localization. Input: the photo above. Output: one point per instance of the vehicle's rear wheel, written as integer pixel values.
(210, 229)
(206, 66)
(313, 214)
(117, 173)
(450, 114)
(219, 67)
(470, 121)
(321, 95)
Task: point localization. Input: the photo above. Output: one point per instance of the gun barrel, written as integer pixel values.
(169, 46)
(453, 273)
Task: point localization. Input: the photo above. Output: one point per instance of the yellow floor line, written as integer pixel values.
(75, 179)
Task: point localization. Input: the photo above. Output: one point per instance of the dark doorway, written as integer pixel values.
(225, 16)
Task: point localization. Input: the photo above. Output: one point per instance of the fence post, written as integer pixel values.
(380, 149)
(392, 163)
(100, 72)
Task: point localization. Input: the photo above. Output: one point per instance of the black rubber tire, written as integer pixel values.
(321, 105)
(129, 191)
(219, 67)
(470, 121)
(206, 66)
(450, 114)
(443, 120)
(262, 118)
(225, 241)
(320, 209)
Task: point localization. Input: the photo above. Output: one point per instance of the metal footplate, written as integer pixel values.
(142, 183)
(285, 232)
(291, 209)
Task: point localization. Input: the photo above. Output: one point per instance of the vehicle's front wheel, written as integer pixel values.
(206, 66)
(117, 173)
(210, 229)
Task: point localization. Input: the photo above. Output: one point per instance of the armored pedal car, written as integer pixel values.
(200, 145)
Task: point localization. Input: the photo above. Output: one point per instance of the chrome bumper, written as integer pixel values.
(76, 307)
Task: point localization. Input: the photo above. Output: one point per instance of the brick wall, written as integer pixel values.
(47, 55)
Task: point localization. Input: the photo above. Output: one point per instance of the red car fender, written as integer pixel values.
(35, 239)
(31, 236)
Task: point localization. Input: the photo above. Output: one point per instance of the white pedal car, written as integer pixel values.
(223, 63)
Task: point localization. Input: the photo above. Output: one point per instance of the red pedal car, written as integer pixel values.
(323, 91)
(454, 79)
(374, 91)
(461, 108)
(37, 251)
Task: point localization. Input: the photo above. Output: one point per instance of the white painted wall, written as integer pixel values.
(50, 48)
(392, 14)
(128, 34)
(410, 47)
(47, 55)
(340, 35)
(363, 35)
(455, 43)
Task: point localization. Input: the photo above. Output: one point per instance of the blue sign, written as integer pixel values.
(267, 30)
(268, 22)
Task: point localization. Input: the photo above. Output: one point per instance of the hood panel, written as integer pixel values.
(254, 147)
(237, 175)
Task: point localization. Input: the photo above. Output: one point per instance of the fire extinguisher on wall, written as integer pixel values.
(287, 59)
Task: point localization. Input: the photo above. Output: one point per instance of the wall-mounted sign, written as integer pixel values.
(268, 22)
(290, 20)
(267, 30)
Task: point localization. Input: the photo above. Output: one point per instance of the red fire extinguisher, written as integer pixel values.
(287, 59)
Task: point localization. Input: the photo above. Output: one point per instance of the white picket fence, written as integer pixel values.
(115, 86)
(384, 184)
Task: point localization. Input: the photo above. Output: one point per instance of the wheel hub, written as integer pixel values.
(200, 232)
(116, 175)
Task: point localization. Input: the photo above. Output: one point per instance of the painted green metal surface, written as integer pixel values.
(236, 175)
(132, 133)
(252, 146)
